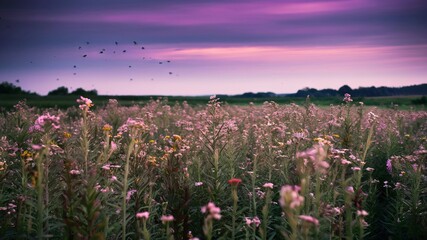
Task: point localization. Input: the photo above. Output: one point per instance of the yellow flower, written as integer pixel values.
(67, 135)
(152, 160)
(26, 154)
(177, 138)
(336, 135)
(107, 127)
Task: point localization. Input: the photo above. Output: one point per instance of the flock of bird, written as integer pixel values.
(86, 51)
(116, 43)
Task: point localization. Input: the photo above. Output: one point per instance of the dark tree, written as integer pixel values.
(59, 91)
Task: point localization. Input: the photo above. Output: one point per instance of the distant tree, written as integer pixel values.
(9, 88)
(345, 89)
(82, 92)
(59, 91)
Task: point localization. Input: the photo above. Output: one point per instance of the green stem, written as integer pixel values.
(125, 187)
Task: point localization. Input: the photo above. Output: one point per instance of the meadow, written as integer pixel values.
(173, 170)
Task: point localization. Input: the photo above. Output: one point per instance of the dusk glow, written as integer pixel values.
(212, 47)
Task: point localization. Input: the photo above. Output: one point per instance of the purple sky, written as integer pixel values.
(214, 47)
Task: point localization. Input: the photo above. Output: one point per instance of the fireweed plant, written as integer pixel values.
(174, 171)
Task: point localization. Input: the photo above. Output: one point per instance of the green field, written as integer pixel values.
(8, 101)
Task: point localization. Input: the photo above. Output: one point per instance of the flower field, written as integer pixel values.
(216, 171)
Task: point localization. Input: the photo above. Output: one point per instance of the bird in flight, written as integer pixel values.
(134, 42)
(124, 51)
(116, 43)
(85, 55)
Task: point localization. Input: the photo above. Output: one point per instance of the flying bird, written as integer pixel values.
(142, 48)
(160, 62)
(80, 47)
(170, 73)
(85, 55)
(75, 66)
(87, 43)
(17, 80)
(101, 52)
(74, 73)
(168, 61)
(134, 42)
(116, 43)
(124, 51)
(130, 66)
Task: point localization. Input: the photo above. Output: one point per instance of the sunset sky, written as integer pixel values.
(197, 47)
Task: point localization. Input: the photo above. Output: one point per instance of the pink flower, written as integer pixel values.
(36, 147)
(144, 215)
(129, 194)
(350, 189)
(43, 121)
(309, 219)
(389, 166)
(347, 98)
(362, 213)
(268, 185)
(113, 146)
(85, 103)
(355, 169)
(212, 211)
(113, 178)
(197, 184)
(290, 198)
(75, 172)
(167, 218)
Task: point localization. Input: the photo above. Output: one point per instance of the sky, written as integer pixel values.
(198, 47)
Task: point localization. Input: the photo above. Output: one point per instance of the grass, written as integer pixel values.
(63, 102)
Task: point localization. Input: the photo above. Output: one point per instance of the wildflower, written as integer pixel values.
(362, 213)
(268, 185)
(106, 167)
(212, 211)
(290, 198)
(43, 121)
(317, 156)
(85, 103)
(67, 135)
(347, 98)
(234, 181)
(113, 178)
(36, 147)
(113, 146)
(176, 138)
(255, 221)
(309, 219)
(143, 215)
(372, 117)
(345, 162)
(369, 169)
(350, 189)
(167, 218)
(75, 172)
(389, 166)
(197, 184)
(107, 128)
(355, 169)
(129, 194)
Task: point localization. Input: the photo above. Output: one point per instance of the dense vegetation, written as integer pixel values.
(162, 171)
